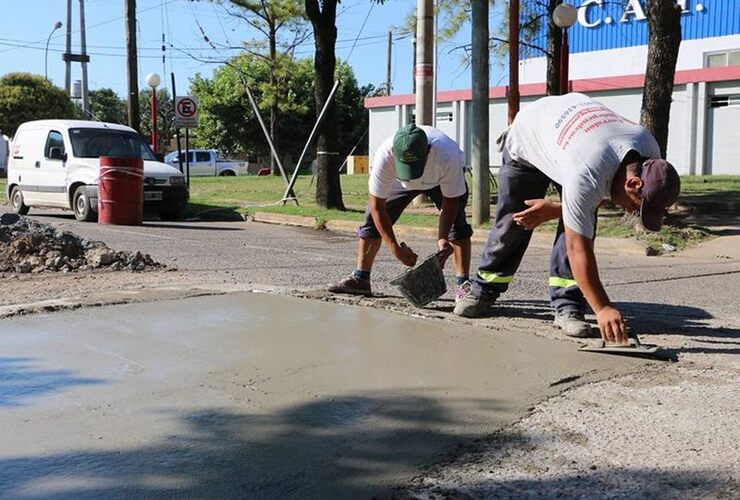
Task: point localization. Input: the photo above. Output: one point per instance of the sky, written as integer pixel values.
(26, 24)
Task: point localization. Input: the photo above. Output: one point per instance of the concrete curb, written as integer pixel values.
(286, 220)
(542, 240)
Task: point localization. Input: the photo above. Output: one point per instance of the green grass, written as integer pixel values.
(248, 195)
(724, 185)
(260, 194)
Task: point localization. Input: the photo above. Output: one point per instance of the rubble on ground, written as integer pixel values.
(27, 246)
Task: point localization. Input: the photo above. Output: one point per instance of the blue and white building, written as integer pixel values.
(608, 47)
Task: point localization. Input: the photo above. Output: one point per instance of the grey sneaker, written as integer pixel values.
(573, 324)
(470, 306)
(353, 286)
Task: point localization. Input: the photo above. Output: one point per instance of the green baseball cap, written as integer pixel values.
(410, 149)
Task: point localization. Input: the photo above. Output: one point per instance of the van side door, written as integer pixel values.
(52, 174)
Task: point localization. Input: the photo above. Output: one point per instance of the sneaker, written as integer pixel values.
(470, 306)
(461, 291)
(353, 286)
(573, 324)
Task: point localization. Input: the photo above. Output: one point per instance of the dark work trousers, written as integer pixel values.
(508, 241)
(397, 203)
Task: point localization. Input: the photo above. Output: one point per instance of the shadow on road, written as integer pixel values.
(345, 446)
(20, 381)
(213, 213)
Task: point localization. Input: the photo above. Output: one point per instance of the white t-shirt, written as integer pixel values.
(444, 168)
(578, 143)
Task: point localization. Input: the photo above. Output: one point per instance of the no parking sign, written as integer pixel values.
(186, 111)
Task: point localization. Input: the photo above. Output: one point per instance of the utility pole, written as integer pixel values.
(134, 118)
(67, 62)
(513, 59)
(436, 64)
(480, 130)
(83, 53)
(388, 67)
(424, 71)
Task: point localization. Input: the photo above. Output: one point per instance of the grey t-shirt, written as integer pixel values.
(578, 143)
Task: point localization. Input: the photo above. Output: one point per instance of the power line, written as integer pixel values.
(88, 28)
(16, 43)
(361, 28)
(341, 45)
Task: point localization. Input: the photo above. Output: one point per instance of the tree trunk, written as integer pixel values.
(554, 43)
(328, 188)
(664, 25)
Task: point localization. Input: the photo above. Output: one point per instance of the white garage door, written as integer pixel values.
(723, 144)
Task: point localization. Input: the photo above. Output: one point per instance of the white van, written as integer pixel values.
(55, 163)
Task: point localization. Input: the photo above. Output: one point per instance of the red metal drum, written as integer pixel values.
(121, 191)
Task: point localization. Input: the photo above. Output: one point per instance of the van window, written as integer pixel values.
(202, 156)
(97, 142)
(54, 140)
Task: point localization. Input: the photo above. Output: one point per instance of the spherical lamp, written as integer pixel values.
(565, 15)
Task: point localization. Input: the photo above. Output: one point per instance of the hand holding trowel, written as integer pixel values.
(632, 347)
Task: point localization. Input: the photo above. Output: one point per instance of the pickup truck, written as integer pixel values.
(205, 162)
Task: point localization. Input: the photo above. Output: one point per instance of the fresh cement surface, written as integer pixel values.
(665, 431)
(257, 396)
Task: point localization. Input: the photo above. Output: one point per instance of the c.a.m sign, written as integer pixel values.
(612, 24)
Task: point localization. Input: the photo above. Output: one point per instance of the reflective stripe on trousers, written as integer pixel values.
(507, 241)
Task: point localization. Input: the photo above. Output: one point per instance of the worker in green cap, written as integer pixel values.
(415, 160)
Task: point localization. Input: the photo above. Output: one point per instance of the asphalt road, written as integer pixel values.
(699, 284)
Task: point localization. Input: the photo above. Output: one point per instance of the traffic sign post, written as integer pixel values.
(186, 115)
(186, 111)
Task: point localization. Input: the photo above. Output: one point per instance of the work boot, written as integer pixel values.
(573, 324)
(470, 306)
(462, 290)
(352, 285)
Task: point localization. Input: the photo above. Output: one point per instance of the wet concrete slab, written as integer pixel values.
(257, 396)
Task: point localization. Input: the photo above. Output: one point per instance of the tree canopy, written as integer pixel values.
(107, 106)
(227, 122)
(25, 97)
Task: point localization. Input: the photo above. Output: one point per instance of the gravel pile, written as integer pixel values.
(27, 246)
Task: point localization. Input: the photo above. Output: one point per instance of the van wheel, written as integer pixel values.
(16, 201)
(81, 206)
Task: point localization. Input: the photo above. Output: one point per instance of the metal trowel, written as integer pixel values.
(635, 348)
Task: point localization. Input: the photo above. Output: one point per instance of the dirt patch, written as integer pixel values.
(27, 246)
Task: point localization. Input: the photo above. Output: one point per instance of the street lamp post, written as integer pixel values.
(153, 80)
(564, 16)
(57, 25)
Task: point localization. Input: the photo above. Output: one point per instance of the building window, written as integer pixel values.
(721, 59)
(723, 101)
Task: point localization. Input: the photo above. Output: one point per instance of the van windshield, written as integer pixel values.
(97, 142)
